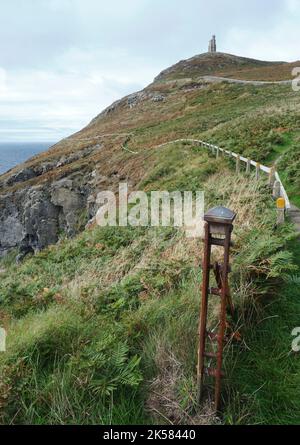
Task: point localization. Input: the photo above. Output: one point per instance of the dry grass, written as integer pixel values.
(163, 401)
(266, 73)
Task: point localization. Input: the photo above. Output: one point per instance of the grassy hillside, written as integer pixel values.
(102, 328)
(257, 121)
(227, 65)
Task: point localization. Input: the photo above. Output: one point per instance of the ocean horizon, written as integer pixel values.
(14, 153)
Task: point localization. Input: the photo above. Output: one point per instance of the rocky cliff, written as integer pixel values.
(43, 198)
(51, 195)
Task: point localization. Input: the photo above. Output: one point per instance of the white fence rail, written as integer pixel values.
(257, 165)
(273, 175)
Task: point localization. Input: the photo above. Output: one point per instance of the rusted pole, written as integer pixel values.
(203, 311)
(222, 318)
(218, 228)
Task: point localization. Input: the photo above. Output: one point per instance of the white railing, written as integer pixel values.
(257, 165)
(273, 174)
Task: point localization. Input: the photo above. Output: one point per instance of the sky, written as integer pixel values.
(63, 61)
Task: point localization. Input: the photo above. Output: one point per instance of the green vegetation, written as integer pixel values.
(265, 379)
(103, 327)
(289, 168)
(270, 137)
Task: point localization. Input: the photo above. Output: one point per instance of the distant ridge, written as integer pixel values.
(227, 65)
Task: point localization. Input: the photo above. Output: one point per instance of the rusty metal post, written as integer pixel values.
(203, 311)
(218, 229)
(222, 316)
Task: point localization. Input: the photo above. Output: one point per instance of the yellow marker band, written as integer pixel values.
(280, 203)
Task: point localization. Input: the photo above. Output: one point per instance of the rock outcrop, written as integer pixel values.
(32, 218)
(44, 199)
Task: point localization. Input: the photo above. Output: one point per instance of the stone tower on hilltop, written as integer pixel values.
(212, 47)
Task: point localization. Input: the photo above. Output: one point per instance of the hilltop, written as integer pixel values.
(226, 65)
(102, 322)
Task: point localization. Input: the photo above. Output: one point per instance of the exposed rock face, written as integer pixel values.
(70, 201)
(39, 217)
(32, 218)
(158, 98)
(131, 101)
(12, 230)
(37, 204)
(27, 173)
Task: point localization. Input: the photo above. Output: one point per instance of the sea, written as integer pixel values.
(14, 153)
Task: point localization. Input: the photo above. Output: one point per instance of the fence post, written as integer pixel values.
(276, 190)
(218, 230)
(280, 203)
(272, 177)
(248, 168)
(238, 162)
(257, 171)
(217, 153)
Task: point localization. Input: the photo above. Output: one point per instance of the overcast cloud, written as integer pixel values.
(63, 61)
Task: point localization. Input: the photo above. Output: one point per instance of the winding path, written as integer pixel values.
(218, 79)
